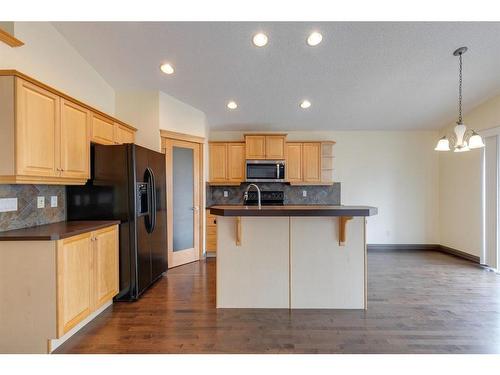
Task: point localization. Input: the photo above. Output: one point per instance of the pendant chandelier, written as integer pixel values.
(462, 139)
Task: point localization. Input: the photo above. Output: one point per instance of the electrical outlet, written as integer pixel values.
(226, 194)
(40, 202)
(53, 201)
(304, 193)
(8, 204)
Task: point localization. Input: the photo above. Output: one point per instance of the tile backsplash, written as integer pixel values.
(27, 214)
(293, 194)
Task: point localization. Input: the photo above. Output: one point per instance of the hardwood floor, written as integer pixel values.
(419, 302)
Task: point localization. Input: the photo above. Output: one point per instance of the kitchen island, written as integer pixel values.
(292, 256)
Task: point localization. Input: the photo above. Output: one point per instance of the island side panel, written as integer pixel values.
(27, 296)
(256, 273)
(324, 274)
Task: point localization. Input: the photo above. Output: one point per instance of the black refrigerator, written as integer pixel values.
(128, 184)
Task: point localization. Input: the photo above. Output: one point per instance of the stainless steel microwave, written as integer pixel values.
(265, 171)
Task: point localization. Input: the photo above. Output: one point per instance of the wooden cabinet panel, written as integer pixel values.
(236, 162)
(73, 281)
(75, 140)
(218, 162)
(275, 147)
(87, 275)
(255, 146)
(123, 134)
(211, 229)
(102, 130)
(46, 134)
(37, 130)
(105, 262)
(311, 165)
(294, 162)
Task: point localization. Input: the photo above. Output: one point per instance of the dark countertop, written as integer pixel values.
(293, 210)
(55, 231)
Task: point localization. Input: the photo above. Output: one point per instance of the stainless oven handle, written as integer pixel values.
(277, 171)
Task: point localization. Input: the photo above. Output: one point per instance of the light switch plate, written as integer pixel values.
(8, 204)
(40, 202)
(304, 193)
(53, 201)
(226, 193)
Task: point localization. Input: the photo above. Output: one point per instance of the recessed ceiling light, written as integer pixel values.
(305, 104)
(314, 39)
(260, 39)
(167, 68)
(232, 105)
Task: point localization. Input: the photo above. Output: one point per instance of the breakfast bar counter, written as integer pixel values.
(293, 210)
(292, 256)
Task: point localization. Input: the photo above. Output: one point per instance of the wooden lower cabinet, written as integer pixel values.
(87, 275)
(74, 274)
(211, 237)
(105, 264)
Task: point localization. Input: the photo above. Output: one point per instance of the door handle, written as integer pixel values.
(195, 208)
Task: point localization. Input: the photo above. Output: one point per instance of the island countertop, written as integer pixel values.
(55, 231)
(293, 210)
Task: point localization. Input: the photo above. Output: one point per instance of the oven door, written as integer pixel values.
(265, 171)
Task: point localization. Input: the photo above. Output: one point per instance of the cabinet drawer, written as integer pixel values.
(211, 231)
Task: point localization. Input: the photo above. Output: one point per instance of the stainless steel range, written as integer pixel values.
(268, 198)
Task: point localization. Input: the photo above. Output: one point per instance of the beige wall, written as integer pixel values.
(180, 117)
(150, 111)
(49, 58)
(141, 109)
(394, 171)
(460, 185)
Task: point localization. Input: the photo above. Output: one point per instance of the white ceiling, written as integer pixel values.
(362, 76)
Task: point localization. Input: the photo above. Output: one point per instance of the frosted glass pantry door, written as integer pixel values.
(183, 190)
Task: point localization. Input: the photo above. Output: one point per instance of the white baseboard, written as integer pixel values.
(55, 343)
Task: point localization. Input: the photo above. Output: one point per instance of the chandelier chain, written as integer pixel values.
(460, 91)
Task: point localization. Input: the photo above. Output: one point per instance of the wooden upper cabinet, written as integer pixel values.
(294, 162)
(73, 281)
(45, 135)
(275, 147)
(227, 162)
(255, 146)
(37, 130)
(75, 140)
(218, 162)
(236, 162)
(311, 164)
(123, 134)
(103, 130)
(105, 256)
(271, 147)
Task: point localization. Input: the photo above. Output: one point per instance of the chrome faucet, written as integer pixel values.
(245, 196)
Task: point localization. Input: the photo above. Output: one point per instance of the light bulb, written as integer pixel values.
(475, 141)
(443, 145)
(314, 39)
(260, 39)
(305, 104)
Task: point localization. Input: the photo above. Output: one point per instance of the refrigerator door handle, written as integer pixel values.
(149, 221)
(153, 198)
